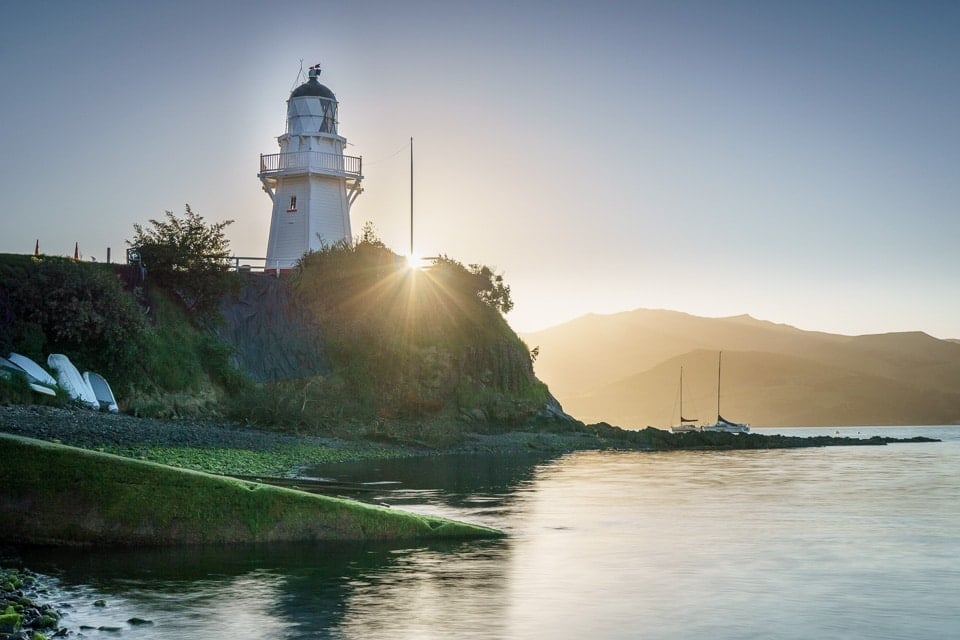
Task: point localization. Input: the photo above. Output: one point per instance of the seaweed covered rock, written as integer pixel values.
(21, 614)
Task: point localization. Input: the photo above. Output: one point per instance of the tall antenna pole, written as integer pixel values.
(411, 195)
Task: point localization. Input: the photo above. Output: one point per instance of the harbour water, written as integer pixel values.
(838, 542)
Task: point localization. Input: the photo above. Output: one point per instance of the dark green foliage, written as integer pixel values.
(189, 257)
(181, 358)
(15, 390)
(306, 406)
(57, 305)
(216, 357)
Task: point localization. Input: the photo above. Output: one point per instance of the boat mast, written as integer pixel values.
(683, 420)
(719, 362)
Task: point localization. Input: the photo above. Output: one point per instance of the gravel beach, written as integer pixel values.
(89, 429)
(209, 446)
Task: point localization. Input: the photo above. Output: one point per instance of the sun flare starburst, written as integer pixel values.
(417, 262)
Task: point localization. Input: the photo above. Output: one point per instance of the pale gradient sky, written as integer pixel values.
(797, 161)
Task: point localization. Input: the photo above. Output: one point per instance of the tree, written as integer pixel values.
(188, 257)
(492, 289)
(477, 279)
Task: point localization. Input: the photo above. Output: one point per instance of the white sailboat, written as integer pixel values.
(686, 424)
(722, 424)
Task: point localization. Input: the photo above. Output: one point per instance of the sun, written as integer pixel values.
(417, 262)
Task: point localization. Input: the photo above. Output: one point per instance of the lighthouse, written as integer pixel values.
(311, 183)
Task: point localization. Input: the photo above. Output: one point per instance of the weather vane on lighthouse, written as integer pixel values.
(311, 183)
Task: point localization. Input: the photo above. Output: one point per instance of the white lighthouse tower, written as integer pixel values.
(312, 184)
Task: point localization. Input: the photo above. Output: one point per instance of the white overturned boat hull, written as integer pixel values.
(70, 380)
(9, 368)
(36, 371)
(101, 388)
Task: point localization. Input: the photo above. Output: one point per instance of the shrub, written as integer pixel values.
(188, 257)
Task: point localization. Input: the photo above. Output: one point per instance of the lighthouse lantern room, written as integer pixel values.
(312, 184)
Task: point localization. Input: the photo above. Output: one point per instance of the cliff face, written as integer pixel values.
(389, 349)
(273, 338)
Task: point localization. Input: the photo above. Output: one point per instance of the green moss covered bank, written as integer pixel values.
(54, 494)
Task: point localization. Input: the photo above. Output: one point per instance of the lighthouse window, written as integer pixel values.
(293, 204)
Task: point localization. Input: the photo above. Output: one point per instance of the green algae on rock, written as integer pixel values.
(55, 494)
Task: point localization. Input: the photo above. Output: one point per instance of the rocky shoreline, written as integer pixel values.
(22, 615)
(155, 439)
(231, 449)
(92, 430)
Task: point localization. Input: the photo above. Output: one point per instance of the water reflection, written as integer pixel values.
(280, 591)
(476, 488)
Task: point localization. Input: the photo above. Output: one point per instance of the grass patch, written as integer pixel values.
(280, 461)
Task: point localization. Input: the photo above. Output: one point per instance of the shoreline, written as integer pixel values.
(225, 448)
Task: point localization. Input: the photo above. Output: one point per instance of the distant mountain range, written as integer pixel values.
(625, 369)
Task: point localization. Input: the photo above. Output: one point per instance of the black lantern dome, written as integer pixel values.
(312, 87)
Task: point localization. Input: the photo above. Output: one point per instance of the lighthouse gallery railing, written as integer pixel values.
(348, 166)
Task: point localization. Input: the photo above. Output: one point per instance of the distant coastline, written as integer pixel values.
(622, 368)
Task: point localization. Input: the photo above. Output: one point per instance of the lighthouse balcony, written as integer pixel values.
(332, 164)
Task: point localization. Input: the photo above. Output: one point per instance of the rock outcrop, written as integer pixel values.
(273, 337)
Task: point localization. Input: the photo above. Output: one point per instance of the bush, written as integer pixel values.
(188, 257)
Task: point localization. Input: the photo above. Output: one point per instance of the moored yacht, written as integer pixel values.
(722, 424)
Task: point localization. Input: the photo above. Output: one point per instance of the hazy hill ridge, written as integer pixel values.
(624, 369)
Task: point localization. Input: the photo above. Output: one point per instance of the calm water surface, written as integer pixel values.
(841, 542)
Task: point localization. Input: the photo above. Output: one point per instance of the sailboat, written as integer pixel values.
(686, 424)
(722, 423)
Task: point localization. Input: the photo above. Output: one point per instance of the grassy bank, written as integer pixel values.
(284, 460)
(54, 494)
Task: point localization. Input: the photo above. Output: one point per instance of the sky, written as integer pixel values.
(795, 161)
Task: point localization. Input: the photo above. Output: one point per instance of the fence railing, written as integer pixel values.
(332, 163)
(256, 265)
(243, 264)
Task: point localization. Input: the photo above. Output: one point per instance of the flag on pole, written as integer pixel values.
(76, 251)
(36, 248)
